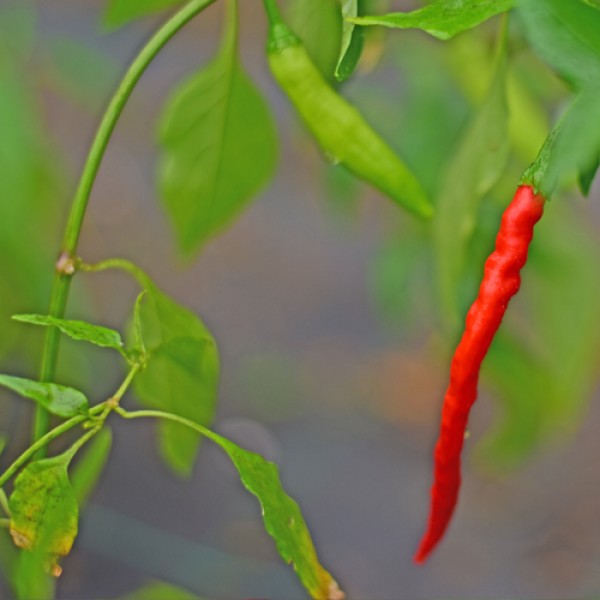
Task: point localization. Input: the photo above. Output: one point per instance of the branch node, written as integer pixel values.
(65, 265)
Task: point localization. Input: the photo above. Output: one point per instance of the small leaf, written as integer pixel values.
(442, 19)
(576, 146)
(219, 146)
(318, 23)
(353, 37)
(44, 511)
(181, 376)
(88, 469)
(474, 168)
(565, 34)
(283, 520)
(59, 400)
(120, 12)
(78, 330)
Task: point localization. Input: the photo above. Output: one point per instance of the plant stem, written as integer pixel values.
(158, 414)
(40, 443)
(116, 263)
(4, 503)
(273, 13)
(64, 272)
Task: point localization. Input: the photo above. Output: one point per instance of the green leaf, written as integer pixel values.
(181, 376)
(442, 19)
(565, 34)
(283, 520)
(546, 371)
(89, 467)
(59, 400)
(80, 71)
(120, 12)
(78, 330)
(586, 177)
(353, 37)
(474, 168)
(28, 176)
(219, 146)
(318, 23)
(161, 591)
(44, 510)
(575, 148)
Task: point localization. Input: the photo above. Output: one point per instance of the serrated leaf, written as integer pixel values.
(318, 23)
(59, 400)
(353, 37)
(181, 376)
(121, 12)
(44, 510)
(78, 330)
(442, 19)
(474, 168)
(283, 520)
(576, 146)
(565, 34)
(89, 467)
(219, 146)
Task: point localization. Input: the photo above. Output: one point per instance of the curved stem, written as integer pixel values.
(39, 444)
(62, 279)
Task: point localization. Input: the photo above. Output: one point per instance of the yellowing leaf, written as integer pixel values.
(44, 510)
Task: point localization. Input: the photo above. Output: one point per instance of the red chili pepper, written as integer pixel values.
(501, 281)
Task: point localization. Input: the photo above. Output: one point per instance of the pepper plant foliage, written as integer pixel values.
(464, 139)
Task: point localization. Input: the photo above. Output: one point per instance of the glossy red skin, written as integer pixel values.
(501, 281)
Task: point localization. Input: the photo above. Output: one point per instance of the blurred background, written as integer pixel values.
(321, 297)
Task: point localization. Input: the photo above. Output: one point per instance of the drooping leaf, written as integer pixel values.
(87, 471)
(44, 510)
(545, 373)
(160, 591)
(219, 146)
(80, 71)
(575, 148)
(121, 12)
(565, 34)
(474, 168)
(59, 400)
(318, 23)
(442, 18)
(283, 519)
(181, 376)
(78, 330)
(353, 37)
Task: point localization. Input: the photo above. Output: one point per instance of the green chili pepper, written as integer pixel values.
(339, 128)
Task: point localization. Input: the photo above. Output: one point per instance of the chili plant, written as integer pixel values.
(508, 96)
